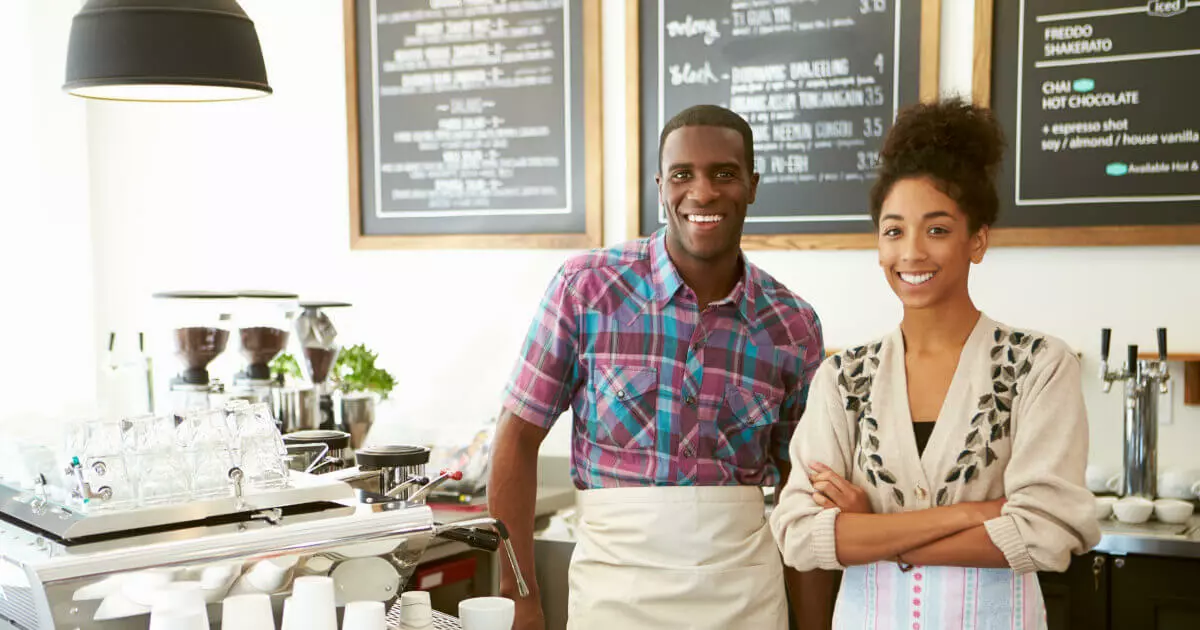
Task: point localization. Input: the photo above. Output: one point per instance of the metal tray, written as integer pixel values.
(441, 621)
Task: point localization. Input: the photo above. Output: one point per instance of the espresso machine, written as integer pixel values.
(96, 539)
(200, 324)
(1145, 380)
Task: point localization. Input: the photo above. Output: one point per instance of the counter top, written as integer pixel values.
(550, 499)
(1151, 539)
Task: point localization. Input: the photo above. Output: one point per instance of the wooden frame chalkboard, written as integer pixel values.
(570, 220)
(999, 65)
(921, 35)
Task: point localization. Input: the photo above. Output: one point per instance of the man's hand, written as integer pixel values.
(834, 491)
(512, 494)
(529, 614)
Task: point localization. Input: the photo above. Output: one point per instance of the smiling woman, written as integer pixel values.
(946, 460)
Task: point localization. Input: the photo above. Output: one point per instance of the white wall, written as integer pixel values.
(255, 195)
(45, 232)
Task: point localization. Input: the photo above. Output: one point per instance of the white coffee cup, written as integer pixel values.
(415, 609)
(1133, 509)
(1104, 507)
(247, 612)
(1179, 484)
(1172, 510)
(364, 616)
(487, 613)
(1104, 479)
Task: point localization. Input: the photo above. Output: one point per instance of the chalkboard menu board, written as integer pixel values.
(819, 82)
(1098, 101)
(474, 123)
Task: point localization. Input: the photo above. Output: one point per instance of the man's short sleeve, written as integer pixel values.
(547, 373)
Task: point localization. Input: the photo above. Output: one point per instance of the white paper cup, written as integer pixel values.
(487, 613)
(247, 612)
(415, 609)
(364, 616)
(313, 601)
(291, 619)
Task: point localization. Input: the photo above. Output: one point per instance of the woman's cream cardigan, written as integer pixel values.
(1013, 425)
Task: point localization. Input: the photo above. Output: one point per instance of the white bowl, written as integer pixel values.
(1133, 509)
(1104, 507)
(1172, 510)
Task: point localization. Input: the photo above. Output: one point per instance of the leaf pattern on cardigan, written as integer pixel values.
(856, 375)
(1012, 359)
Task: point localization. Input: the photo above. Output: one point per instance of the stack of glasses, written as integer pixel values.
(159, 460)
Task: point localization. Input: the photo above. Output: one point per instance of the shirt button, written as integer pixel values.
(691, 401)
(921, 493)
(621, 395)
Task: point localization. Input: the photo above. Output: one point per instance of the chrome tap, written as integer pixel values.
(1144, 381)
(464, 531)
(443, 477)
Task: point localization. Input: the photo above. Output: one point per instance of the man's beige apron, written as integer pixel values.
(675, 557)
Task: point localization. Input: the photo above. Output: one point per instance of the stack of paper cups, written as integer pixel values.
(364, 616)
(247, 612)
(311, 606)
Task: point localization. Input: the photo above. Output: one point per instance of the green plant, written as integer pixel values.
(355, 371)
(286, 364)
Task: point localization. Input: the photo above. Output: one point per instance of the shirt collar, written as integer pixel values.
(668, 282)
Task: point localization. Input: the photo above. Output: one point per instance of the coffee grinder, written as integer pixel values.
(317, 337)
(200, 323)
(264, 323)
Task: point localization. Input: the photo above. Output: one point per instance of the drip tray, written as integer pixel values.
(1149, 528)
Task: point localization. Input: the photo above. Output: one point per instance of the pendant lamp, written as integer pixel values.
(165, 50)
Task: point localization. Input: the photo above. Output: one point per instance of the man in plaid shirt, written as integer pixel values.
(686, 368)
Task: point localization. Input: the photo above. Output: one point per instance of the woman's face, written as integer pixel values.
(926, 246)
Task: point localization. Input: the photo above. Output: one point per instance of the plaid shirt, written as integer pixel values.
(664, 394)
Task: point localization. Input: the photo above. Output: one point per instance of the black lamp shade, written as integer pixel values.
(165, 50)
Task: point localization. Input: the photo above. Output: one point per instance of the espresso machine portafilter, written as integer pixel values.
(1144, 381)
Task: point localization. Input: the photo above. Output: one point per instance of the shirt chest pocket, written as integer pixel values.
(744, 423)
(626, 406)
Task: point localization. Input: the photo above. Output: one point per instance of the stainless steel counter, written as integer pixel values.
(1151, 539)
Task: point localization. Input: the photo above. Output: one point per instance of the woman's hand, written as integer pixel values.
(831, 490)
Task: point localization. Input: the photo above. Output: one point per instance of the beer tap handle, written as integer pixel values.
(1105, 340)
(1132, 359)
(1162, 345)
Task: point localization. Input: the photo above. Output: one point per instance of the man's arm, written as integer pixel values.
(512, 493)
(811, 593)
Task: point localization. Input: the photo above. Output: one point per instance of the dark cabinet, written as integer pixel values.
(1103, 592)
(1078, 598)
(1153, 593)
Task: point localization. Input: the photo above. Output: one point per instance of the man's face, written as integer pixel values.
(705, 186)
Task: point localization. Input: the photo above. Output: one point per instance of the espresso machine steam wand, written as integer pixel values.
(1144, 381)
